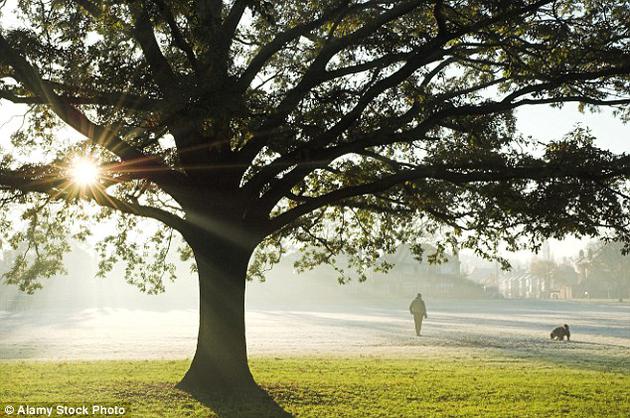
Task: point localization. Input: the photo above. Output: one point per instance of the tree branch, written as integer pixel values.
(143, 32)
(233, 18)
(102, 136)
(313, 156)
(178, 37)
(29, 76)
(262, 57)
(89, 7)
(438, 13)
(422, 56)
(117, 100)
(60, 188)
(459, 175)
(316, 74)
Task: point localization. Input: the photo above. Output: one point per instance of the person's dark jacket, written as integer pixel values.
(418, 307)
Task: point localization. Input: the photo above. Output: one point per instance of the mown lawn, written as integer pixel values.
(334, 387)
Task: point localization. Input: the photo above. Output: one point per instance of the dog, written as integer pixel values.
(561, 332)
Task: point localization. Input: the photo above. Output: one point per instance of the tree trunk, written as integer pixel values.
(220, 361)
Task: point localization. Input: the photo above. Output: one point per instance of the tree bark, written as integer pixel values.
(220, 362)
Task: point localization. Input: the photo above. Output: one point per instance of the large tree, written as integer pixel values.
(347, 126)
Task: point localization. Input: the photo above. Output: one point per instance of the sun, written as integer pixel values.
(84, 172)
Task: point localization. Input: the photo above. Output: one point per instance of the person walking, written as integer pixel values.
(419, 311)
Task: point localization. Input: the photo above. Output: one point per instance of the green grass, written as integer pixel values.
(485, 386)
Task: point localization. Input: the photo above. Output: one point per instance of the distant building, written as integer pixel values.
(523, 284)
(542, 279)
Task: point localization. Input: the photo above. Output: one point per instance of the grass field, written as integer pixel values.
(484, 386)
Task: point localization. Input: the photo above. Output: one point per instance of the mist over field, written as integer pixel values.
(306, 314)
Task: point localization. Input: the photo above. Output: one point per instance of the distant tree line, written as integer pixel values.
(605, 271)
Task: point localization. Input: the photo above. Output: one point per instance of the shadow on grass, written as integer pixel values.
(255, 403)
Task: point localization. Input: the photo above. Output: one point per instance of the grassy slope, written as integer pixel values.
(335, 387)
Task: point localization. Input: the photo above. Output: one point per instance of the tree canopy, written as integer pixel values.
(349, 126)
